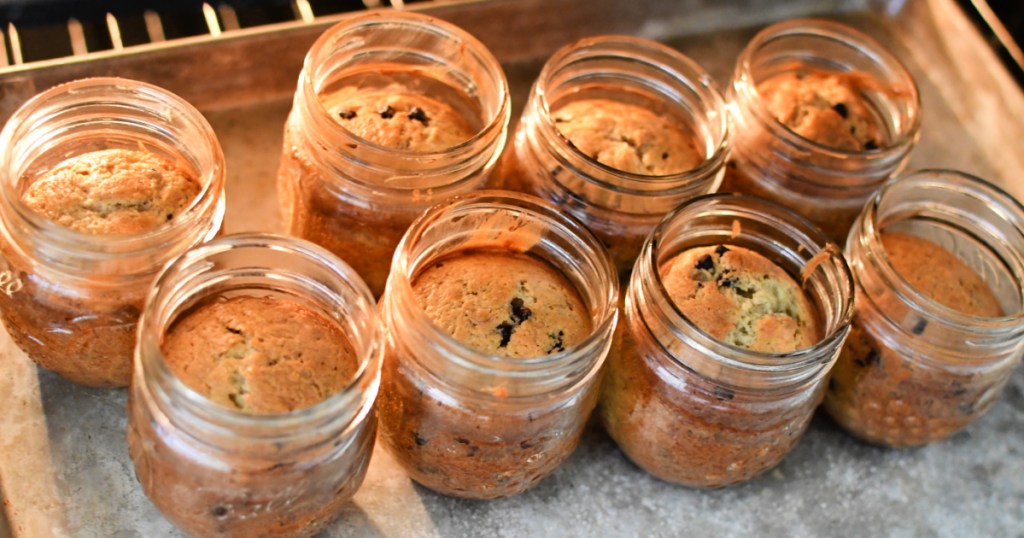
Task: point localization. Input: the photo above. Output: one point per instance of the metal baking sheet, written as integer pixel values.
(64, 467)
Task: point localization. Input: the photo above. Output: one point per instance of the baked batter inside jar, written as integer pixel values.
(104, 181)
(379, 132)
(251, 408)
(938, 258)
(500, 312)
(823, 116)
(734, 314)
(618, 131)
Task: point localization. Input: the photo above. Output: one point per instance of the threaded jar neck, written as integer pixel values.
(818, 45)
(967, 216)
(773, 232)
(635, 71)
(426, 55)
(107, 113)
(511, 222)
(264, 265)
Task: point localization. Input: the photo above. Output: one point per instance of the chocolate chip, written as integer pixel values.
(387, 112)
(525, 445)
(559, 344)
(420, 441)
(438, 265)
(220, 511)
(728, 282)
(746, 293)
(721, 250)
(871, 145)
(920, 326)
(723, 393)
(519, 312)
(233, 330)
(705, 263)
(352, 146)
(664, 156)
(506, 330)
(170, 216)
(870, 359)
(841, 110)
(417, 114)
(347, 114)
(462, 440)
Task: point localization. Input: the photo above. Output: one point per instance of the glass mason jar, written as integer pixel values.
(475, 425)
(827, 185)
(618, 206)
(215, 471)
(70, 299)
(357, 198)
(914, 370)
(692, 409)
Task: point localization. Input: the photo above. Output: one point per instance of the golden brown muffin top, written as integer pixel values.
(260, 355)
(112, 191)
(740, 297)
(503, 303)
(627, 137)
(396, 118)
(940, 274)
(827, 108)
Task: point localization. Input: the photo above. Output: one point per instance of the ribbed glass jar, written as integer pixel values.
(472, 424)
(70, 299)
(914, 370)
(692, 409)
(827, 185)
(356, 197)
(620, 207)
(217, 471)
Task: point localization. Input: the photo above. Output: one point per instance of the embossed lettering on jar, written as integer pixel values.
(251, 407)
(734, 314)
(500, 312)
(939, 327)
(379, 132)
(104, 181)
(618, 131)
(823, 116)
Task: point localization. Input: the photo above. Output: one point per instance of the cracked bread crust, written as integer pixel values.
(397, 118)
(627, 137)
(503, 303)
(113, 191)
(260, 355)
(826, 108)
(740, 297)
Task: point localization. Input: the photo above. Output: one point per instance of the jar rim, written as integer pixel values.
(810, 240)
(400, 284)
(149, 356)
(658, 56)
(420, 22)
(868, 235)
(846, 35)
(97, 246)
